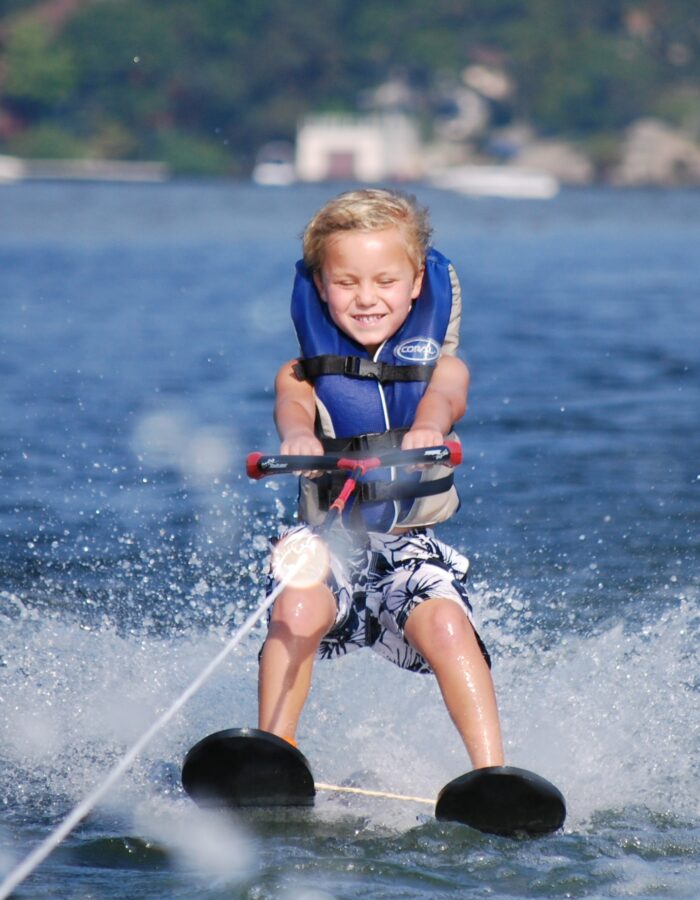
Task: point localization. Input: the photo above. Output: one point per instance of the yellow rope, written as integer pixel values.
(385, 795)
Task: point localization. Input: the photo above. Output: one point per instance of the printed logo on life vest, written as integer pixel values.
(419, 350)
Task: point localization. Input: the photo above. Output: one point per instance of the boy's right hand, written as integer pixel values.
(303, 444)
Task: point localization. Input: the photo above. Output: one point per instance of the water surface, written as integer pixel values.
(140, 328)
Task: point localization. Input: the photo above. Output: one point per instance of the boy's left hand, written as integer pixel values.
(417, 438)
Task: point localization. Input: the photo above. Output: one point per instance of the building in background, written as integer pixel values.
(371, 148)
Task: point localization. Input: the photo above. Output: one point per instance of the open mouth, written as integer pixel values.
(368, 320)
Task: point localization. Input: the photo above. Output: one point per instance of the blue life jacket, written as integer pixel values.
(367, 403)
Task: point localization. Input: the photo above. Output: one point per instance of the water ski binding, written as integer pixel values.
(244, 767)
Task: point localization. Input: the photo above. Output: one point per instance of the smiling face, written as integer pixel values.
(369, 284)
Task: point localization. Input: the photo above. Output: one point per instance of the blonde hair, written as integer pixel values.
(369, 209)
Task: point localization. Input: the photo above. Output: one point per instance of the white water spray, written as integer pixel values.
(79, 812)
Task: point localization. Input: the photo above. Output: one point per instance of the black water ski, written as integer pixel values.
(502, 800)
(245, 767)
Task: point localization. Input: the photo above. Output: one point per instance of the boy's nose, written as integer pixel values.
(364, 296)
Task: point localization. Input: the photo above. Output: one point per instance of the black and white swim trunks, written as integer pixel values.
(378, 584)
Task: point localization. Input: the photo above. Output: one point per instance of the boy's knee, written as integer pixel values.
(304, 613)
(440, 623)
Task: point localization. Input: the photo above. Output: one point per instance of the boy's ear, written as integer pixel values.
(319, 286)
(417, 283)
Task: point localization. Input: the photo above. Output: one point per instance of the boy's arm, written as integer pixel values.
(443, 404)
(295, 413)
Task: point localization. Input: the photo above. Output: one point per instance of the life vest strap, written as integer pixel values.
(360, 367)
(373, 491)
(329, 484)
(360, 445)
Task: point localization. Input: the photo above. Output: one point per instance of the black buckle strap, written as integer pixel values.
(328, 485)
(365, 444)
(360, 367)
(378, 491)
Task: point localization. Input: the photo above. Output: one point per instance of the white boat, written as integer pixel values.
(496, 181)
(274, 165)
(11, 169)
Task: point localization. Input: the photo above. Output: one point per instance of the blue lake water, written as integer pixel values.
(140, 328)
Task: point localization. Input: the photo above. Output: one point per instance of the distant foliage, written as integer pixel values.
(205, 84)
(39, 73)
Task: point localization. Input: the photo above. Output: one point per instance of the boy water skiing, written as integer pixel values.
(376, 311)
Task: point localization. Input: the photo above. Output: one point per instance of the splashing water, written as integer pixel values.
(606, 716)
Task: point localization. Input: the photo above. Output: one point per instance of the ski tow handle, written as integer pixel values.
(259, 465)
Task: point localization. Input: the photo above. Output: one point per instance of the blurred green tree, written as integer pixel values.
(138, 79)
(38, 73)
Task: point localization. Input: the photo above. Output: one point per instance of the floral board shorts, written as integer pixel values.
(379, 582)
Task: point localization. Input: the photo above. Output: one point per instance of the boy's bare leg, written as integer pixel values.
(443, 634)
(300, 618)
